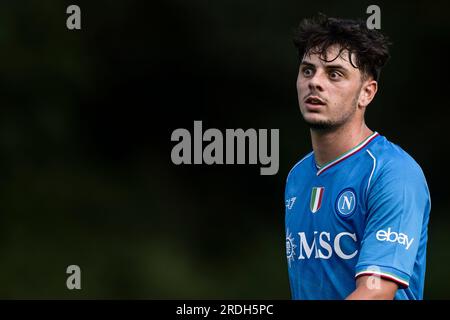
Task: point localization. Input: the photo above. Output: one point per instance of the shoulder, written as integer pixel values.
(392, 164)
(299, 165)
(398, 187)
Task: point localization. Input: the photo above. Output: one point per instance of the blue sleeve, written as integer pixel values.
(397, 201)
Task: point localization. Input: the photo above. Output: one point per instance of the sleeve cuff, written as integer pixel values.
(388, 273)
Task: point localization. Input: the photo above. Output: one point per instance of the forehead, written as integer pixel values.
(333, 55)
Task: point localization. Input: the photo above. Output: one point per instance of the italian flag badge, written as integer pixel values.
(316, 198)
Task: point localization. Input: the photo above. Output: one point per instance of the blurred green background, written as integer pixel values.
(85, 125)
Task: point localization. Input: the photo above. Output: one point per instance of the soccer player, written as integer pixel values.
(357, 206)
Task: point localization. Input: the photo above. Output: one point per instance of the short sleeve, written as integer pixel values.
(397, 202)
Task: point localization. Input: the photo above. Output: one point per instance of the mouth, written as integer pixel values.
(314, 100)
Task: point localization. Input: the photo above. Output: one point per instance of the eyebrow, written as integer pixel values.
(328, 66)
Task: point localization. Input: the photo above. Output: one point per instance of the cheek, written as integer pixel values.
(301, 84)
(345, 94)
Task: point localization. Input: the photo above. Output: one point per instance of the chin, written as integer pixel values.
(318, 124)
(313, 118)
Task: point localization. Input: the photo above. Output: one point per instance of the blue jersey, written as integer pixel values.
(365, 213)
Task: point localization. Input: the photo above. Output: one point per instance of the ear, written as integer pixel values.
(367, 93)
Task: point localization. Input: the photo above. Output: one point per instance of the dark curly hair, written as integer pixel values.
(316, 35)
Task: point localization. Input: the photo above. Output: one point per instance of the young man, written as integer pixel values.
(357, 206)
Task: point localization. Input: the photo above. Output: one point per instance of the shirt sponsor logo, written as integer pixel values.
(290, 247)
(392, 236)
(326, 246)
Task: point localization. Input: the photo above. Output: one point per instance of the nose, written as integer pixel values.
(315, 82)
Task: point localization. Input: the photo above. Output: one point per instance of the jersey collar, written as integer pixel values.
(346, 155)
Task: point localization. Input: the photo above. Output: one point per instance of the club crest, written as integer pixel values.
(346, 203)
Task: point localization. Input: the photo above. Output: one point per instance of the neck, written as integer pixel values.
(328, 145)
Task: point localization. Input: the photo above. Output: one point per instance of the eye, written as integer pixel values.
(307, 72)
(334, 75)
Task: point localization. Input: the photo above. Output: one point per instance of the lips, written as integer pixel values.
(314, 100)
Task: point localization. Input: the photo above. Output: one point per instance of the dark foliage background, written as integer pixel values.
(85, 125)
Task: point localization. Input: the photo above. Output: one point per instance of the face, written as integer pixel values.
(331, 94)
